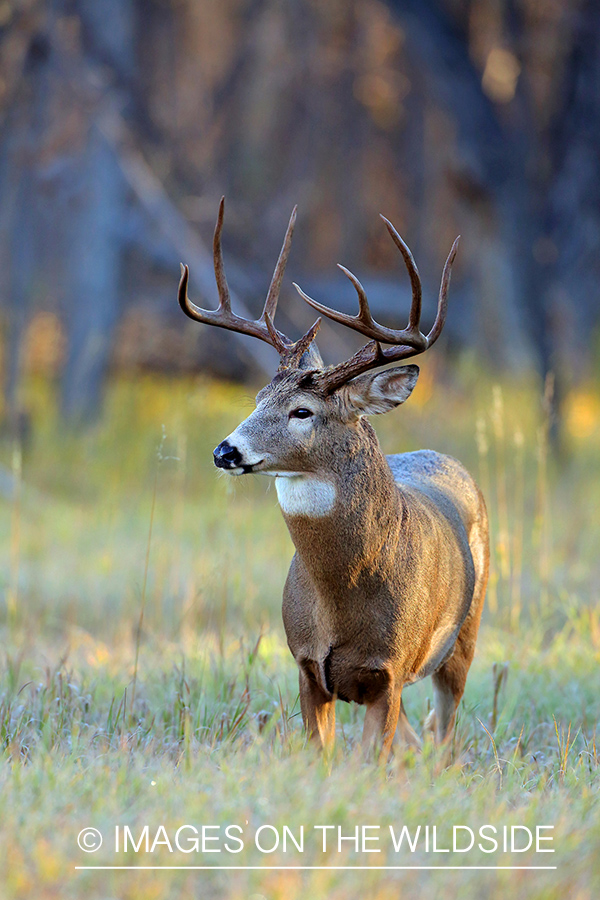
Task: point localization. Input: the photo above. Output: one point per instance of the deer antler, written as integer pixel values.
(407, 342)
(263, 327)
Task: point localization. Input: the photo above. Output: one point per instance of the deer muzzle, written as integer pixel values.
(227, 457)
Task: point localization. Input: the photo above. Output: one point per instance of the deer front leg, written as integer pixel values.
(381, 719)
(318, 712)
(406, 732)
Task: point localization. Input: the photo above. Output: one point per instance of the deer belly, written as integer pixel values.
(440, 648)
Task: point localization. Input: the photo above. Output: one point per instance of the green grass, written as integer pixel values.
(193, 717)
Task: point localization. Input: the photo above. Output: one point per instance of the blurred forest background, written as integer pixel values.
(144, 674)
(123, 122)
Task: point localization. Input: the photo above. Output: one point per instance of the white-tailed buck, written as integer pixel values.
(389, 576)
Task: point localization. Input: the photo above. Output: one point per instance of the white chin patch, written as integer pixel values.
(305, 495)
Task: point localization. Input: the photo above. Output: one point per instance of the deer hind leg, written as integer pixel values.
(318, 712)
(450, 679)
(449, 683)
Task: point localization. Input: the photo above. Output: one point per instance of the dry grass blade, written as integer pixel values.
(495, 751)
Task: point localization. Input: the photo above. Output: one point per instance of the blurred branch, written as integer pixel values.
(173, 226)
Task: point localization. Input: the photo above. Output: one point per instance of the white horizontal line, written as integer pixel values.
(336, 868)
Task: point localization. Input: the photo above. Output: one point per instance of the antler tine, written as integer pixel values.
(364, 313)
(440, 317)
(277, 338)
(292, 353)
(363, 322)
(275, 286)
(414, 317)
(222, 286)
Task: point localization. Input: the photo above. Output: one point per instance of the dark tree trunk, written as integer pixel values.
(93, 285)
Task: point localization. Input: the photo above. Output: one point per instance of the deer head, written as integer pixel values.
(302, 417)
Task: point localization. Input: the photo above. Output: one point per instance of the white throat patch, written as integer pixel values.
(305, 495)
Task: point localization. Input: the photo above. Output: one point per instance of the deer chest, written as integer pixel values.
(342, 677)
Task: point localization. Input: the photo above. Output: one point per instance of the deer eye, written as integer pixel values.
(301, 413)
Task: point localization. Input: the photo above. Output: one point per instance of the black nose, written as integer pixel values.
(226, 456)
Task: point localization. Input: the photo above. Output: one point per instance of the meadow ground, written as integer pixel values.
(145, 678)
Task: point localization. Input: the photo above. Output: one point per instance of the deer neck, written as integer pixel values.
(344, 520)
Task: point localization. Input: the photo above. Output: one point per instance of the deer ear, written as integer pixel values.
(375, 393)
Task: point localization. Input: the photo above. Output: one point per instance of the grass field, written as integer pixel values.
(145, 678)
